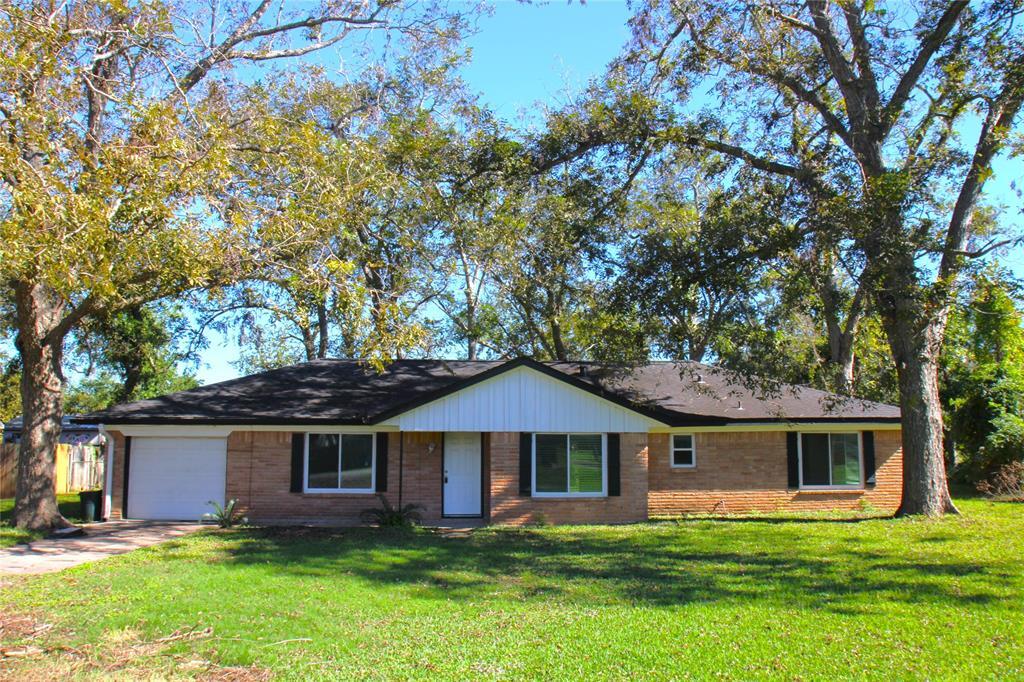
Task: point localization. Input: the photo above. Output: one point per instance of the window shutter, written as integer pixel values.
(867, 439)
(525, 464)
(793, 459)
(614, 466)
(382, 462)
(298, 452)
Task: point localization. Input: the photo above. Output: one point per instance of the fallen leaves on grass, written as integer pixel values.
(21, 629)
(125, 653)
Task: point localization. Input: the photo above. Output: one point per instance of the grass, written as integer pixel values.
(739, 599)
(9, 535)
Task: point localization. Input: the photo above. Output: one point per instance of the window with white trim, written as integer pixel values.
(569, 465)
(830, 460)
(340, 462)
(684, 451)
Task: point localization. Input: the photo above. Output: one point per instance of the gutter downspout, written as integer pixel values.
(108, 474)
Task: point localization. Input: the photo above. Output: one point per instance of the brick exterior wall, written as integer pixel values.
(506, 505)
(742, 472)
(736, 472)
(116, 501)
(259, 476)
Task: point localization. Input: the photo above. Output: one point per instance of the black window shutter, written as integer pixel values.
(614, 466)
(793, 459)
(867, 439)
(525, 464)
(382, 462)
(298, 452)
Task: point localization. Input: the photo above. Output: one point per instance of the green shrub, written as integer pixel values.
(226, 516)
(389, 516)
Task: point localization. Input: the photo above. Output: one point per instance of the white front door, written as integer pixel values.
(462, 474)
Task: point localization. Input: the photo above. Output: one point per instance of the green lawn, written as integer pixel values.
(738, 599)
(9, 536)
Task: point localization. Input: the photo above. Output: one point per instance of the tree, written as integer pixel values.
(10, 395)
(883, 93)
(137, 352)
(356, 172)
(115, 148)
(687, 272)
(983, 377)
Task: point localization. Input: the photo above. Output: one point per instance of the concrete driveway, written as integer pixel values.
(102, 540)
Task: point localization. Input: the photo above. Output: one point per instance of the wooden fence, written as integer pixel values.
(77, 467)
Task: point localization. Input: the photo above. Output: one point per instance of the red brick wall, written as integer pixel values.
(116, 503)
(739, 472)
(506, 506)
(259, 476)
(735, 472)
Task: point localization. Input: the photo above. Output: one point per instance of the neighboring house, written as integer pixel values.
(78, 457)
(506, 442)
(74, 430)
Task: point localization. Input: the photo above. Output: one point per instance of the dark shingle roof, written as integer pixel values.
(351, 392)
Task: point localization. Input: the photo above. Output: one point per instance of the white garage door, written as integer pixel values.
(175, 478)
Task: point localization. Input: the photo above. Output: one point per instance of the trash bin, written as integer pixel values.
(89, 500)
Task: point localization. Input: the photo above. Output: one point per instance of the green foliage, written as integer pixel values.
(390, 516)
(93, 393)
(137, 353)
(226, 516)
(983, 377)
(689, 275)
(10, 389)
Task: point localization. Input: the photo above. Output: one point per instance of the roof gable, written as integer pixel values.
(521, 397)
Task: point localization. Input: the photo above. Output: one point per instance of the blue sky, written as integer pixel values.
(525, 57)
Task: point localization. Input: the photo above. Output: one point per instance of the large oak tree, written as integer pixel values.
(116, 144)
(895, 109)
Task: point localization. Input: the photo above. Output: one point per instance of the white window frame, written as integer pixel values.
(692, 450)
(336, 491)
(533, 465)
(860, 458)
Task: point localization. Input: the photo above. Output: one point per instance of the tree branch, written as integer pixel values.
(993, 134)
(746, 156)
(928, 47)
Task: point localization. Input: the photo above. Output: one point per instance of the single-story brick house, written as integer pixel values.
(503, 442)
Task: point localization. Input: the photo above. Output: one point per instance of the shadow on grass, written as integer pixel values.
(656, 565)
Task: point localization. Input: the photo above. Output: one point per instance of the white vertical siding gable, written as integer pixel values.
(522, 399)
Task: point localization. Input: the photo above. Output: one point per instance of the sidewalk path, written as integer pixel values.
(102, 540)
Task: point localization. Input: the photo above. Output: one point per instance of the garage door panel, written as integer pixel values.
(175, 478)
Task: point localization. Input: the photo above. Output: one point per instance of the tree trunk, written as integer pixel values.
(131, 365)
(561, 353)
(915, 341)
(308, 344)
(323, 330)
(842, 359)
(35, 503)
(925, 488)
